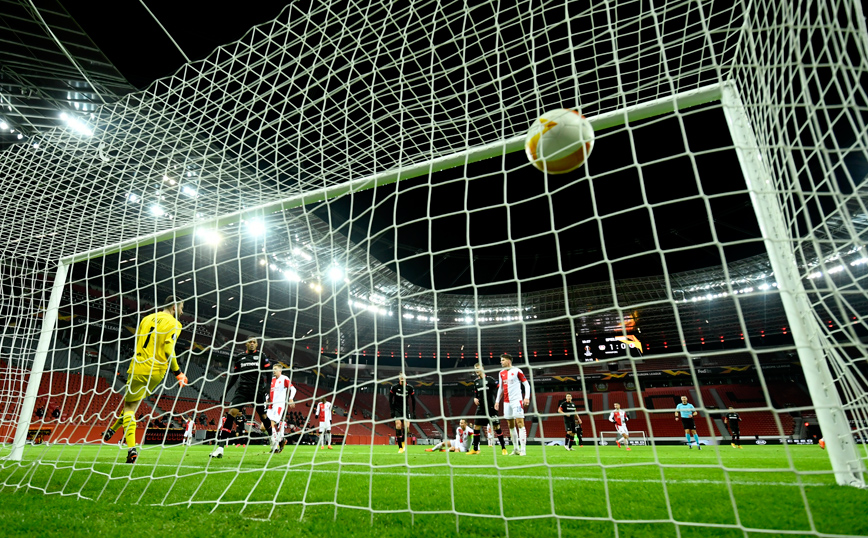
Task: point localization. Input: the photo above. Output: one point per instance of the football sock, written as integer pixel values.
(399, 437)
(476, 438)
(329, 438)
(567, 439)
(118, 423)
(129, 422)
(225, 429)
(696, 436)
(522, 437)
(500, 439)
(688, 438)
(578, 439)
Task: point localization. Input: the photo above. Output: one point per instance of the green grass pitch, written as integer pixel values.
(75, 490)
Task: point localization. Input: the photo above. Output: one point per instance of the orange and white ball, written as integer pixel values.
(560, 141)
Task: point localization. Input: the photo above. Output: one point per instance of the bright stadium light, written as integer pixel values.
(335, 273)
(255, 227)
(292, 275)
(212, 237)
(303, 254)
(76, 125)
(157, 211)
(4, 125)
(189, 191)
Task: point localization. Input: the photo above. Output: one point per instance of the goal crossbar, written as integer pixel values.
(641, 111)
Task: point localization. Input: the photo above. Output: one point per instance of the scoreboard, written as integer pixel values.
(596, 348)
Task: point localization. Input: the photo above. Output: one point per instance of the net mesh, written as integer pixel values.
(261, 185)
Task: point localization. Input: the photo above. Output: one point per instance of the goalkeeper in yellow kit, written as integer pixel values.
(155, 354)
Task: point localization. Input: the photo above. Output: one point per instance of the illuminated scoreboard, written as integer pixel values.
(596, 348)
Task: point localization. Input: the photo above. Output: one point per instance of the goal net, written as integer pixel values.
(344, 192)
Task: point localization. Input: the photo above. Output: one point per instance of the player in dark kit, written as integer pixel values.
(252, 372)
(484, 391)
(572, 422)
(400, 396)
(733, 421)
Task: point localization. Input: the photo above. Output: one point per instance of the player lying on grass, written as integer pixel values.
(155, 354)
(461, 443)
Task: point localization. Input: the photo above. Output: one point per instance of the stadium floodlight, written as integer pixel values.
(209, 236)
(335, 273)
(157, 210)
(189, 191)
(4, 125)
(76, 125)
(292, 275)
(301, 252)
(255, 227)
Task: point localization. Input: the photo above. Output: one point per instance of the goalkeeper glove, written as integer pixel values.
(182, 379)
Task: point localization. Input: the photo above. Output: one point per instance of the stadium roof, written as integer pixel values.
(218, 132)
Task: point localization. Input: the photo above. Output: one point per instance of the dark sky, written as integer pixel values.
(134, 42)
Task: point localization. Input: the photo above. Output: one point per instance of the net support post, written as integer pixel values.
(841, 447)
(49, 320)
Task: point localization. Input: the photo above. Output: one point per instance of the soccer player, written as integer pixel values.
(685, 411)
(734, 422)
(461, 443)
(399, 397)
(324, 415)
(567, 408)
(277, 397)
(484, 390)
(511, 382)
(189, 426)
(619, 419)
(155, 354)
(251, 371)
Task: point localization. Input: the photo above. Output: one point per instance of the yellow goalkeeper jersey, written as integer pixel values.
(155, 345)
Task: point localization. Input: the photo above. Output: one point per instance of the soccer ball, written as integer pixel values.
(822, 444)
(560, 141)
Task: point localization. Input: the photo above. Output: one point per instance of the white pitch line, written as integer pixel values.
(286, 469)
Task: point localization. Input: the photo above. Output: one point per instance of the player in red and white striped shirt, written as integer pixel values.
(189, 426)
(619, 419)
(461, 443)
(277, 396)
(509, 385)
(324, 415)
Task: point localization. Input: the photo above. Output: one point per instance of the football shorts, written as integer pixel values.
(275, 413)
(512, 410)
(140, 386)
